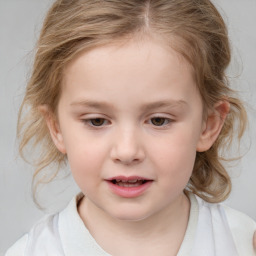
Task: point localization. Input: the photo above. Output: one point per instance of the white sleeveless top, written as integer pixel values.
(213, 230)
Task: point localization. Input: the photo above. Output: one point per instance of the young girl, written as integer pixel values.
(133, 95)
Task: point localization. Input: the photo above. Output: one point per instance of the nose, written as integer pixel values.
(127, 147)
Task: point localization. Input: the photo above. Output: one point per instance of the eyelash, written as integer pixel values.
(90, 121)
(103, 121)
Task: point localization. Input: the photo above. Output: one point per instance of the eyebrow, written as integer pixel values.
(93, 104)
(164, 104)
(145, 107)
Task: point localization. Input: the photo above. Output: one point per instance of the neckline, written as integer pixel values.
(188, 240)
(81, 241)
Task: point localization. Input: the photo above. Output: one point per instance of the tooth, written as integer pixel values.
(133, 181)
(128, 184)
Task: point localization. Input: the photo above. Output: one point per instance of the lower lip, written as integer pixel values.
(129, 192)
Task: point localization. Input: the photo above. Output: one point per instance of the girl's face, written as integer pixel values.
(130, 121)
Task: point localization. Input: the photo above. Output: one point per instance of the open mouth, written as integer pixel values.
(129, 183)
(129, 187)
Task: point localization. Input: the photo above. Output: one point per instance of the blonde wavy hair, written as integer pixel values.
(200, 36)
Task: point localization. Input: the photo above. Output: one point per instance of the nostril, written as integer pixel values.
(127, 153)
(126, 161)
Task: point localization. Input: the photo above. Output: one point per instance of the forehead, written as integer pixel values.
(131, 56)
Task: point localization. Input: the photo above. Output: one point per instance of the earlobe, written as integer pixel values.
(213, 125)
(53, 127)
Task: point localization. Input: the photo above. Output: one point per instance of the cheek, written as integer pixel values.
(176, 167)
(85, 159)
(176, 154)
(178, 161)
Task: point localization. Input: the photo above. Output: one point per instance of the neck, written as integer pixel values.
(166, 229)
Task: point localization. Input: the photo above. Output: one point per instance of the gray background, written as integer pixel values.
(20, 23)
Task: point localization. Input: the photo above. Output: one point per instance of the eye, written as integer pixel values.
(95, 121)
(160, 121)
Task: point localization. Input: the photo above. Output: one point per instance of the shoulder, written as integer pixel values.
(227, 222)
(18, 249)
(46, 236)
(242, 228)
(237, 218)
(237, 221)
(45, 230)
(234, 217)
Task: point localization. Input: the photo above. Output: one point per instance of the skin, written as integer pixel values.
(133, 109)
(254, 240)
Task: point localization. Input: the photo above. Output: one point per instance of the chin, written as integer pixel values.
(130, 215)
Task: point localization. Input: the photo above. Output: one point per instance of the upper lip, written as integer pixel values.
(128, 178)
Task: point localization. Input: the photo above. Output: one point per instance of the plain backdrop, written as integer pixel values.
(20, 23)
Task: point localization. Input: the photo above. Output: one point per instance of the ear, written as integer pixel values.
(212, 125)
(53, 127)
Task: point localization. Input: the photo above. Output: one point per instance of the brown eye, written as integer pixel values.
(159, 121)
(97, 121)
